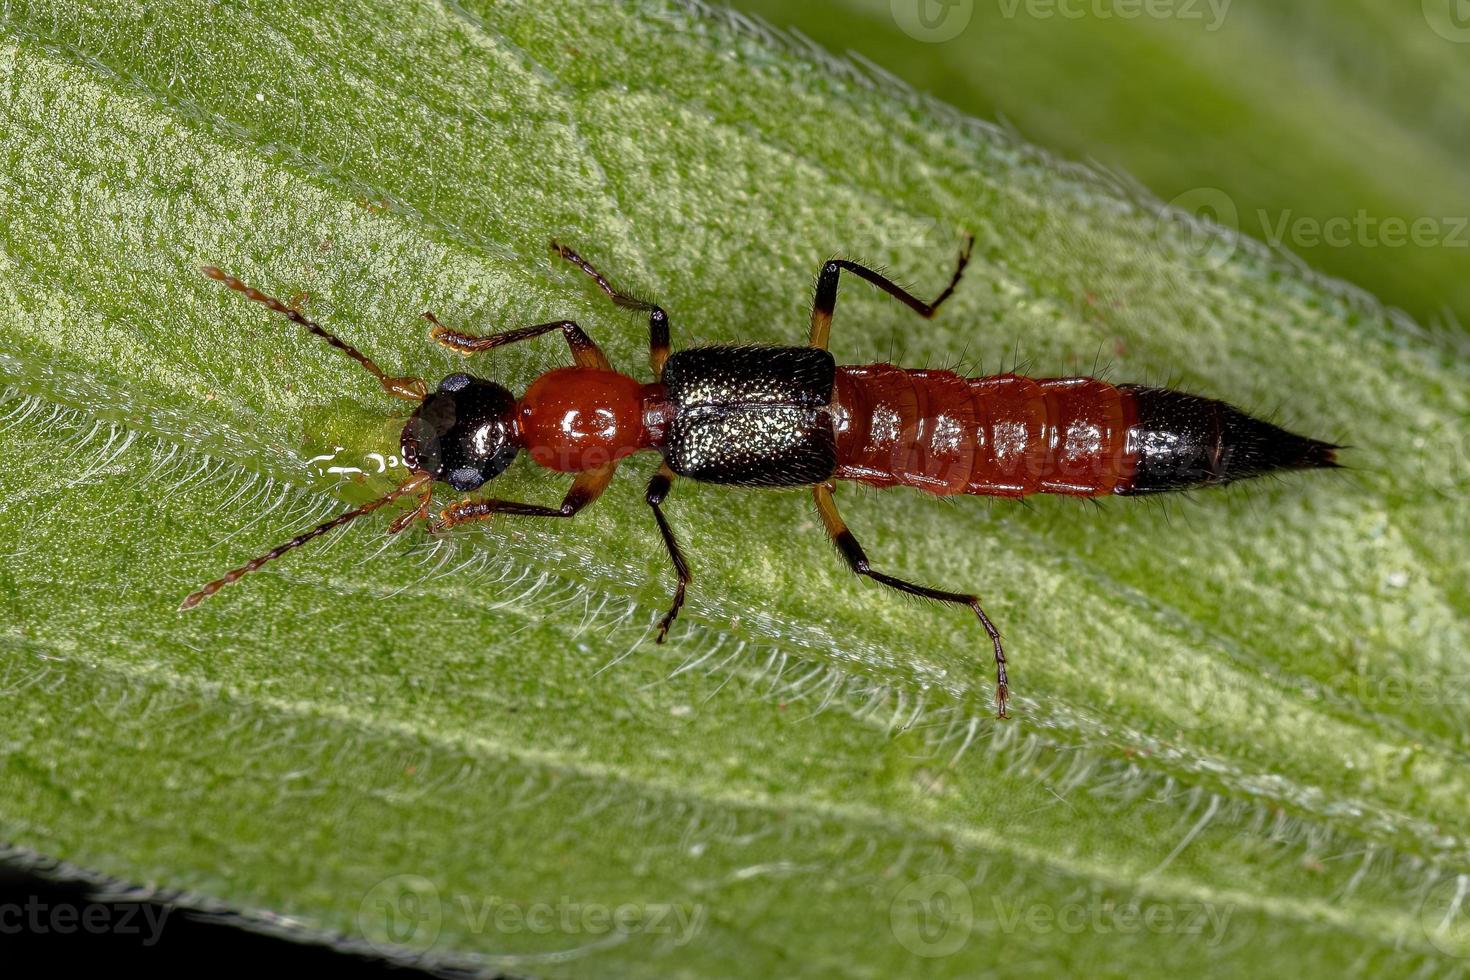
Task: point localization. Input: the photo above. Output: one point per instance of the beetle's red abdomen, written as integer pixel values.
(1003, 435)
(574, 419)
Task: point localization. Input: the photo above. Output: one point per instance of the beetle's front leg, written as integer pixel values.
(587, 487)
(585, 353)
(658, 320)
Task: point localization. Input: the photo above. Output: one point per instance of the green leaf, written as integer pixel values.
(1240, 727)
(1336, 128)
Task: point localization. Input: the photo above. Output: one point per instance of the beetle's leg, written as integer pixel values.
(585, 353)
(420, 513)
(858, 561)
(826, 299)
(658, 320)
(587, 487)
(658, 489)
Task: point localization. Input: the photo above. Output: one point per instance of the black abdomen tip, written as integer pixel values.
(1183, 440)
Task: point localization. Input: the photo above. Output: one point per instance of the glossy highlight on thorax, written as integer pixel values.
(575, 419)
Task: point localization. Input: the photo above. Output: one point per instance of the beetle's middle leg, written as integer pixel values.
(658, 489)
(858, 561)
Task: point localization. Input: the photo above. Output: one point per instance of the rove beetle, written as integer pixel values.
(791, 417)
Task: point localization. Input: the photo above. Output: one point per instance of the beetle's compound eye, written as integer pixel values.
(457, 382)
(464, 433)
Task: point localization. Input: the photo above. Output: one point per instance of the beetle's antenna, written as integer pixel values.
(409, 389)
(420, 483)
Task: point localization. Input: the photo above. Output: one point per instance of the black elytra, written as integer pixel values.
(751, 416)
(464, 433)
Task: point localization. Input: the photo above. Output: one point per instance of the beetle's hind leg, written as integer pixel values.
(658, 320)
(826, 300)
(857, 560)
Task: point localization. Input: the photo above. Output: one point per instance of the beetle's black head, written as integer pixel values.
(464, 433)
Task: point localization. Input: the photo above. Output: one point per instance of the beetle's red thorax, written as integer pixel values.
(574, 419)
